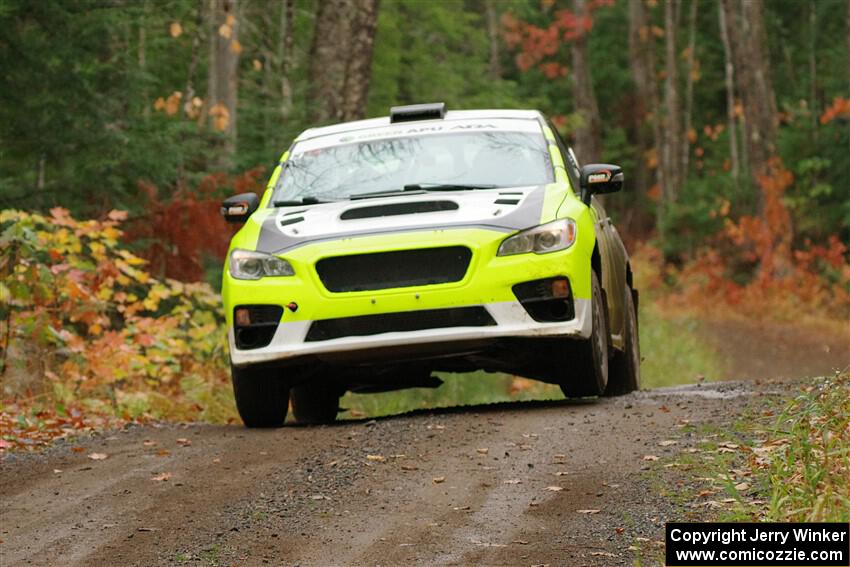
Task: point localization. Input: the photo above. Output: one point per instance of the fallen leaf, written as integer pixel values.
(409, 467)
(319, 497)
(668, 443)
(439, 479)
(602, 554)
(520, 542)
(175, 29)
(98, 456)
(588, 511)
(619, 530)
(483, 450)
(555, 488)
(149, 443)
(78, 449)
(559, 459)
(216, 460)
(376, 458)
(461, 508)
(184, 442)
(147, 529)
(57, 471)
(650, 458)
(513, 481)
(561, 473)
(161, 477)
(742, 486)
(163, 453)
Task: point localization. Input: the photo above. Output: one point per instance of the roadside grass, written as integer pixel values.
(672, 353)
(786, 462)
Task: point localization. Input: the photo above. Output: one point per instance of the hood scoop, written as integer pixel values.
(395, 209)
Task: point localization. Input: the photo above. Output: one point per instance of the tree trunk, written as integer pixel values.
(749, 49)
(493, 35)
(224, 73)
(588, 135)
(143, 62)
(813, 70)
(731, 123)
(642, 60)
(341, 59)
(287, 26)
(672, 150)
(689, 89)
(191, 109)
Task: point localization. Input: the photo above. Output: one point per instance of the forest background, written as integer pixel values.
(731, 119)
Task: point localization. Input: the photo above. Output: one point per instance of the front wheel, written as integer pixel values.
(624, 376)
(261, 397)
(589, 376)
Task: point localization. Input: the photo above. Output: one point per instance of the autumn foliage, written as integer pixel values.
(86, 328)
(754, 266)
(537, 46)
(176, 234)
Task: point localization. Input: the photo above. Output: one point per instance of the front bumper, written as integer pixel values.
(488, 283)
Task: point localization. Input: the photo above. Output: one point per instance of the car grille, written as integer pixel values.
(385, 270)
(365, 325)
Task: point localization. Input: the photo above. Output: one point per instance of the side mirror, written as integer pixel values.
(597, 178)
(238, 208)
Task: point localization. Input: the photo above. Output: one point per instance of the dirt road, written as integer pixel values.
(546, 483)
(558, 483)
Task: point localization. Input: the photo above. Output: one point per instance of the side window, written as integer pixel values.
(569, 158)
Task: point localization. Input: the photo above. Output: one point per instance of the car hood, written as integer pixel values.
(504, 210)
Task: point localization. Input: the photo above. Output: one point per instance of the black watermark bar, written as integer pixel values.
(816, 544)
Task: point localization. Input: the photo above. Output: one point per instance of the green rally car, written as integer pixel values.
(386, 249)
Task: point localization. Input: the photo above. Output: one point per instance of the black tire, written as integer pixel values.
(317, 402)
(589, 376)
(624, 372)
(262, 398)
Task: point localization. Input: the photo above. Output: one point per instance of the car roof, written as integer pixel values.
(385, 121)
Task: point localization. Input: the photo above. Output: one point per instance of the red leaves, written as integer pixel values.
(537, 45)
(840, 107)
(188, 226)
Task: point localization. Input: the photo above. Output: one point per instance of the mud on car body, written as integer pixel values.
(386, 249)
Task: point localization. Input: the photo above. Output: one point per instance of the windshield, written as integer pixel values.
(473, 159)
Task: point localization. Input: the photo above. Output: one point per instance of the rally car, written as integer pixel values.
(386, 249)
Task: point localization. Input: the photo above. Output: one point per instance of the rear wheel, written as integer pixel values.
(317, 402)
(589, 376)
(624, 374)
(261, 397)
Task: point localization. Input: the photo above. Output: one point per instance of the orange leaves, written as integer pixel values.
(220, 117)
(170, 105)
(97, 326)
(840, 107)
(536, 45)
(175, 29)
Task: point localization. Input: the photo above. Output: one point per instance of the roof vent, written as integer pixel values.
(413, 112)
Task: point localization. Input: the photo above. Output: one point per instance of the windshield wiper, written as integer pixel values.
(419, 189)
(447, 186)
(308, 200)
(405, 192)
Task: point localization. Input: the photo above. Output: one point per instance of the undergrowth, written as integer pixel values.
(788, 462)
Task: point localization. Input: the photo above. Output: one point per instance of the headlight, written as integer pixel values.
(549, 237)
(246, 265)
